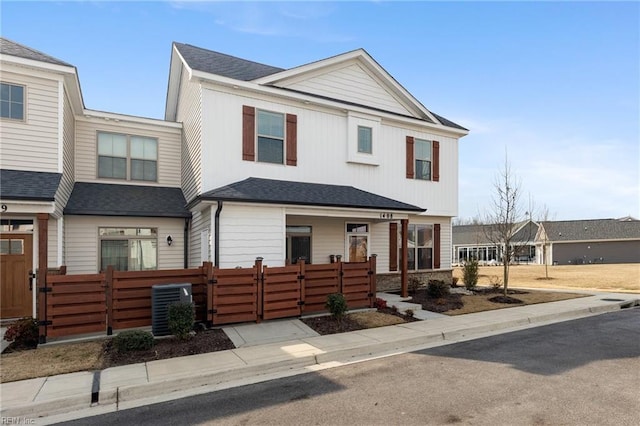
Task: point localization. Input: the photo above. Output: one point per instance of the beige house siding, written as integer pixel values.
(169, 140)
(82, 240)
(31, 144)
(200, 222)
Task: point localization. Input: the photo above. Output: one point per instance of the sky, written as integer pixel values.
(552, 88)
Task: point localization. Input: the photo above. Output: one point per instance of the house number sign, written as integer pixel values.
(4, 208)
(386, 215)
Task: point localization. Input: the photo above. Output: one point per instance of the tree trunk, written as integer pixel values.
(505, 275)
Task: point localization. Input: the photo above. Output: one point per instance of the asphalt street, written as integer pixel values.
(581, 372)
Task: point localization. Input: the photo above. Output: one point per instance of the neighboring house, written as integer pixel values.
(332, 158)
(576, 242)
(474, 242)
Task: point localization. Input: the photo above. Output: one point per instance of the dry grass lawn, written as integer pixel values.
(616, 278)
(479, 303)
(375, 319)
(51, 360)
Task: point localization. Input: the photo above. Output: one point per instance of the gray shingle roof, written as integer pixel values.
(477, 234)
(225, 65)
(26, 185)
(591, 230)
(9, 47)
(99, 199)
(268, 191)
(446, 122)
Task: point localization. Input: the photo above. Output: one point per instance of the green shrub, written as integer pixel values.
(181, 319)
(470, 274)
(337, 305)
(409, 313)
(23, 333)
(437, 289)
(133, 340)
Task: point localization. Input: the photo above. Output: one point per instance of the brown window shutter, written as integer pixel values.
(410, 165)
(292, 140)
(393, 246)
(436, 161)
(248, 133)
(436, 246)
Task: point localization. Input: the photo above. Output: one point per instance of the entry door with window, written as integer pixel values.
(16, 257)
(298, 243)
(357, 242)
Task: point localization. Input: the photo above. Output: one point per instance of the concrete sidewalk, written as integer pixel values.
(82, 394)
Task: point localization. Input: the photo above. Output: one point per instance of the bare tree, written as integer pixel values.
(545, 229)
(506, 217)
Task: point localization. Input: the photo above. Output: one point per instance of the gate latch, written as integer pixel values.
(32, 276)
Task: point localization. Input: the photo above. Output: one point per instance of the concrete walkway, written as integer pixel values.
(82, 394)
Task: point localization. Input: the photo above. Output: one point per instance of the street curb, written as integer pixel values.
(178, 383)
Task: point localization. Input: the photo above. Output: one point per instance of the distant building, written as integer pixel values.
(577, 242)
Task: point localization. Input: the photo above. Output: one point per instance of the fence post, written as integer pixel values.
(259, 287)
(63, 270)
(108, 294)
(372, 280)
(42, 305)
(340, 273)
(301, 281)
(208, 279)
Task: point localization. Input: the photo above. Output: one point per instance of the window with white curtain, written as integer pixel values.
(129, 249)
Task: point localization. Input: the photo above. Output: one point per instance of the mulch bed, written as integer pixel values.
(327, 324)
(204, 341)
(442, 304)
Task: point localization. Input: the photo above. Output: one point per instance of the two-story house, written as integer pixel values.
(330, 159)
(334, 157)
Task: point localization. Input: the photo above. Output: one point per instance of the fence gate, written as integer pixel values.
(233, 295)
(282, 292)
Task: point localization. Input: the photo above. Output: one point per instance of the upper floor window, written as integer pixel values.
(127, 157)
(423, 159)
(12, 101)
(273, 134)
(365, 139)
(270, 137)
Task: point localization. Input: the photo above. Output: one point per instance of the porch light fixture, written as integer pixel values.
(169, 240)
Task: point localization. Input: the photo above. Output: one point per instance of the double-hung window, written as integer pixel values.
(129, 249)
(423, 159)
(127, 157)
(11, 101)
(270, 137)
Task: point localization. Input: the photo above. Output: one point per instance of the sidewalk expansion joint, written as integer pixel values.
(95, 387)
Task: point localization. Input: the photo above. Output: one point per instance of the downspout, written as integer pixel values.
(216, 238)
(186, 243)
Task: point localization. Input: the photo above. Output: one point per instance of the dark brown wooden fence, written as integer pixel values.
(115, 300)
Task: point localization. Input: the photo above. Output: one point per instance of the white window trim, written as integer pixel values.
(284, 137)
(353, 156)
(415, 159)
(348, 234)
(128, 158)
(24, 103)
(128, 238)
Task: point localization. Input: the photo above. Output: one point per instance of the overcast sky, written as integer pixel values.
(553, 84)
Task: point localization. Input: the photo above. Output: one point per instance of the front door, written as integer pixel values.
(16, 256)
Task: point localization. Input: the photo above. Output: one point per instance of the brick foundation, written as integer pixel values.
(391, 282)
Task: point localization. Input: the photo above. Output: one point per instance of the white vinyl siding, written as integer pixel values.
(52, 243)
(32, 143)
(68, 156)
(200, 221)
(83, 242)
(353, 84)
(247, 232)
(169, 151)
(189, 113)
(322, 154)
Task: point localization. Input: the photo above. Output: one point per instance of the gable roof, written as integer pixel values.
(28, 186)
(591, 230)
(99, 199)
(477, 234)
(220, 64)
(269, 191)
(9, 47)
